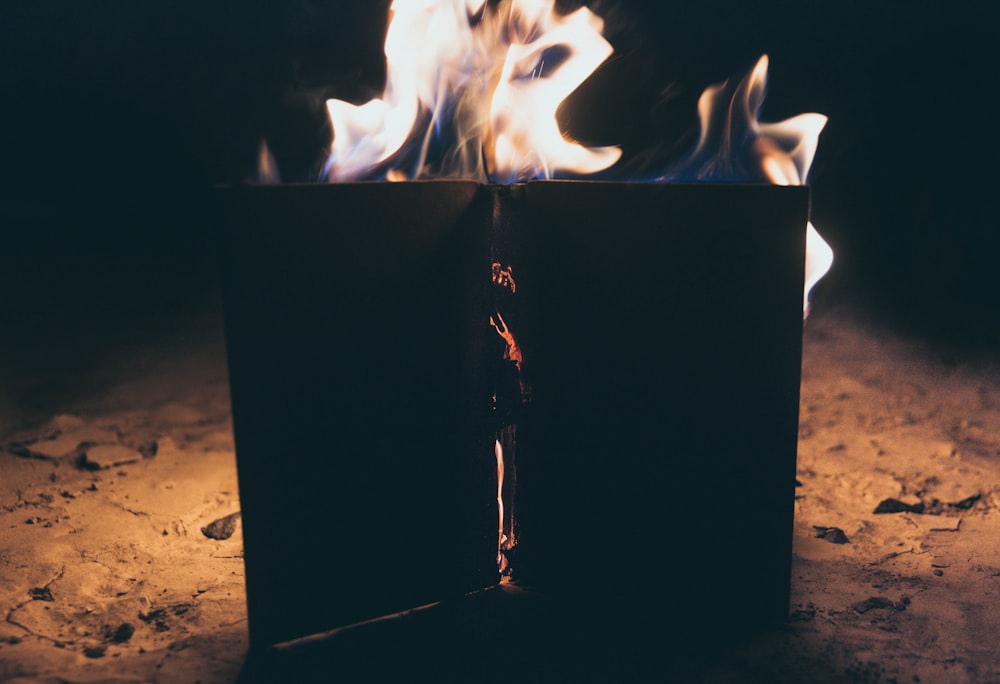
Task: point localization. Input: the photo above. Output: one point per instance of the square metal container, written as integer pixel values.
(661, 328)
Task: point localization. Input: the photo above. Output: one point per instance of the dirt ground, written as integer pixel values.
(113, 472)
(105, 574)
(898, 452)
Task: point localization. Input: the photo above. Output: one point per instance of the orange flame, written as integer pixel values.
(506, 440)
(267, 167)
(501, 538)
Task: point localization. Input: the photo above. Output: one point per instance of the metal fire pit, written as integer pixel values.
(661, 331)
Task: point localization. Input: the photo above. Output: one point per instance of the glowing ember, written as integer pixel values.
(513, 352)
(267, 167)
(510, 395)
(501, 538)
(484, 81)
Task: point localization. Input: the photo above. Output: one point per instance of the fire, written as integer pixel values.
(472, 89)
(510, 394)
(501, 538)
(483, 79)
(736, 145)
(267, 167)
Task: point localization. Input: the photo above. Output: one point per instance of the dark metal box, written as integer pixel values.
(660, 326)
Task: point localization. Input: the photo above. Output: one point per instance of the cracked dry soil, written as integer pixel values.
(107, 574)
(110, 470)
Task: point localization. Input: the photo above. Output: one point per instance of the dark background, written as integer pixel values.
(119, 117)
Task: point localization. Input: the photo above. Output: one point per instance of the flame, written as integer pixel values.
(506, 440)
(267, 167)
(485, 80)
(735, 145)
(472, 91)
(501, 538)
(819, 260)
(504, 279)
(526, 135)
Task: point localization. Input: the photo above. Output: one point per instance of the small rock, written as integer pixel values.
(56, 447)
(897, 506)
(834, 535)
(95, 651)
(84, 462)
(63, 442)
(157, 617)
(967, 503)
(40, 594)
(873, 603)
(152, 615)
(113, 455)
(222, 528)
(803, 614)
(26, 450)
(123, 633)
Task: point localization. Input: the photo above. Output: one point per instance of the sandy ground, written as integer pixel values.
(106, 574)
(899, 450)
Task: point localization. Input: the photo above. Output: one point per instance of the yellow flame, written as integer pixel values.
(483, 66)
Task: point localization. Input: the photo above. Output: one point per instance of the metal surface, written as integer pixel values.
(661, 332)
